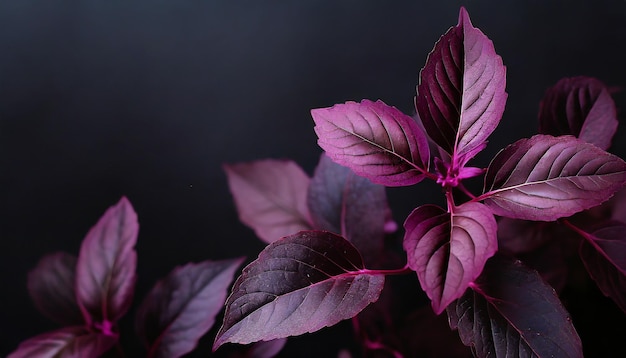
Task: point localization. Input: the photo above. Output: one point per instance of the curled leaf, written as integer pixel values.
(449, 250)
(375, 140)
(298, 284)
(105, 271)
(51, 287)
(461, 94)
(68, 342)
(546, 178)
(580, 106)
(512, 313)
(270, 196)
(182, 307)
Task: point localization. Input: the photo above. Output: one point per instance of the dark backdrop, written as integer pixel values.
(148, 98)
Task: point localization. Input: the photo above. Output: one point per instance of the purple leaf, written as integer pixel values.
(105, 272)
(461, 94)
(375, 140)
(513, 313)
(522, 236)
(68, 342)
(449, 250)
(546, 178)
(350, 205)
(580, 106)
(604, 255)
(182, 307)
(263, 349)
(51, 287)
(299, 284)
(270, 196)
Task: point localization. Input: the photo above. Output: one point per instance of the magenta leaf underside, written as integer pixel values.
(546, 178)
(349, 205)
(513, 313)
(297, 285)
(105, 271)
(375, 140)
(51, 287)
(461, 94)
(270, 196)
(182, 307)
(604, 255)
(68, 342)
(449, 250)
(580, 106)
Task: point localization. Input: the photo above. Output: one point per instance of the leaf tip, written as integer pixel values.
(464, 19)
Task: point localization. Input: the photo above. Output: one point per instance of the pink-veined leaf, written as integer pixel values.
(51, 287)
(105, 271)
(604, 254)
(546, 178)
(67, 342)
(580, 106)
(511, 312)
(298, 284)
(448, 250)
(270, 196)
(375, 140)
(461, 93)
(182, 307)
(349, 205)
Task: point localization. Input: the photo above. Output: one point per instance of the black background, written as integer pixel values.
(148, 98)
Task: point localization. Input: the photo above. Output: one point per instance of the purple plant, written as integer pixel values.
(336, 266)
(494, 262)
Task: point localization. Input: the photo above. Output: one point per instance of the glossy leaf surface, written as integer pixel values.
(51, 287)
(105, 271)
(350, 205)
(513, 313)
(270, 196)
(182, 307)
(546, 178)
(375, 140)
(449, 250)
(461, 94)
(580, 106)
(604, 255)
(68, 342)
(299, 284)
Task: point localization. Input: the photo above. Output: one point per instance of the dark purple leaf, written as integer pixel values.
(546, 178)
(270, 196)
(263, 349)
(449, 250)
(604, 255)
(350, 205)
(461, 94)
(521, 236)
(580, 106)
(68, 342)
(298, 284)
(375, 140)
(513, 313)
(105, 272)
(51, 287)
(182, 307)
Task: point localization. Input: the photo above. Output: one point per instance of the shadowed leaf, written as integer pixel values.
(270, 196)
(513, 313)
(298, 284)
(546, 178)
(182, 307)
(105, 271)
(580, 106)
(375, 140)
(51, 287)
(68, 342)
(448, 250)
